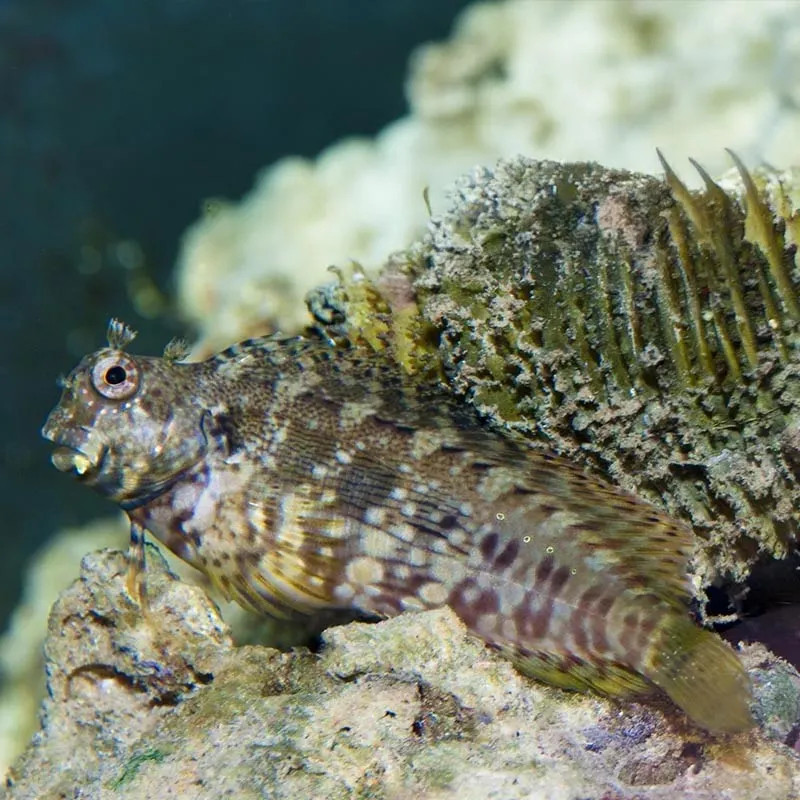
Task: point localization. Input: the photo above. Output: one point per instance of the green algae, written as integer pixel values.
(134, 764)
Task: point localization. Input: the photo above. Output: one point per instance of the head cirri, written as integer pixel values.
(128, 425)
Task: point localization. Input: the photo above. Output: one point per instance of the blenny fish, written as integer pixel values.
(305, 477)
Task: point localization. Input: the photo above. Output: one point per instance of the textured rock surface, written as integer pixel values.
(166, 706)
(112, 674)
(21, 658)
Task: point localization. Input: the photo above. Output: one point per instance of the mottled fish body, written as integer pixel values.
(307, 478)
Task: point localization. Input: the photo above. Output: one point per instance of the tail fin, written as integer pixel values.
(702, 675)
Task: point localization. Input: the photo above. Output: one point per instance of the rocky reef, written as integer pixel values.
(164, 704)
(21, 659)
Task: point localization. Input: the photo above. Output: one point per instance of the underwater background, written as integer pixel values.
(194, 169)
(117, 123)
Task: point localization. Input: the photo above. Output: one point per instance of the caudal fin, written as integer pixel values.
(702, 675)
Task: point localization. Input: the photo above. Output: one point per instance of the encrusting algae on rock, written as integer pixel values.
(308, 478)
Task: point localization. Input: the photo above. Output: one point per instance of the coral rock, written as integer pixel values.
(143, 707)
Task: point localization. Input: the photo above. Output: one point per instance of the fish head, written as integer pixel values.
(129, 426)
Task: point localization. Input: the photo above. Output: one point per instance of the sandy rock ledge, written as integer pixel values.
(166, 706)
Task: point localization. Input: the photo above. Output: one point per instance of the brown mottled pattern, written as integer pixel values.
(304, 478)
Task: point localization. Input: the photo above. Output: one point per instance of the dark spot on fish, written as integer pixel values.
(448, 522)
(540, 619)
(508, 555)
(559, 579)
(487, 603)
(579, 633)
(544, 569)
(604, 606)
(489, 545)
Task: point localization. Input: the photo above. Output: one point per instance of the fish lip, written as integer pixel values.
(69, 455)
(66, 458)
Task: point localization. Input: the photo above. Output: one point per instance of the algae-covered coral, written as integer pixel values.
(646, 331)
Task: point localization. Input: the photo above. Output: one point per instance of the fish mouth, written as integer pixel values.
(70, 459)
(76, 450)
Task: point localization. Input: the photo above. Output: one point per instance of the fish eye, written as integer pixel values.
(115, 376)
